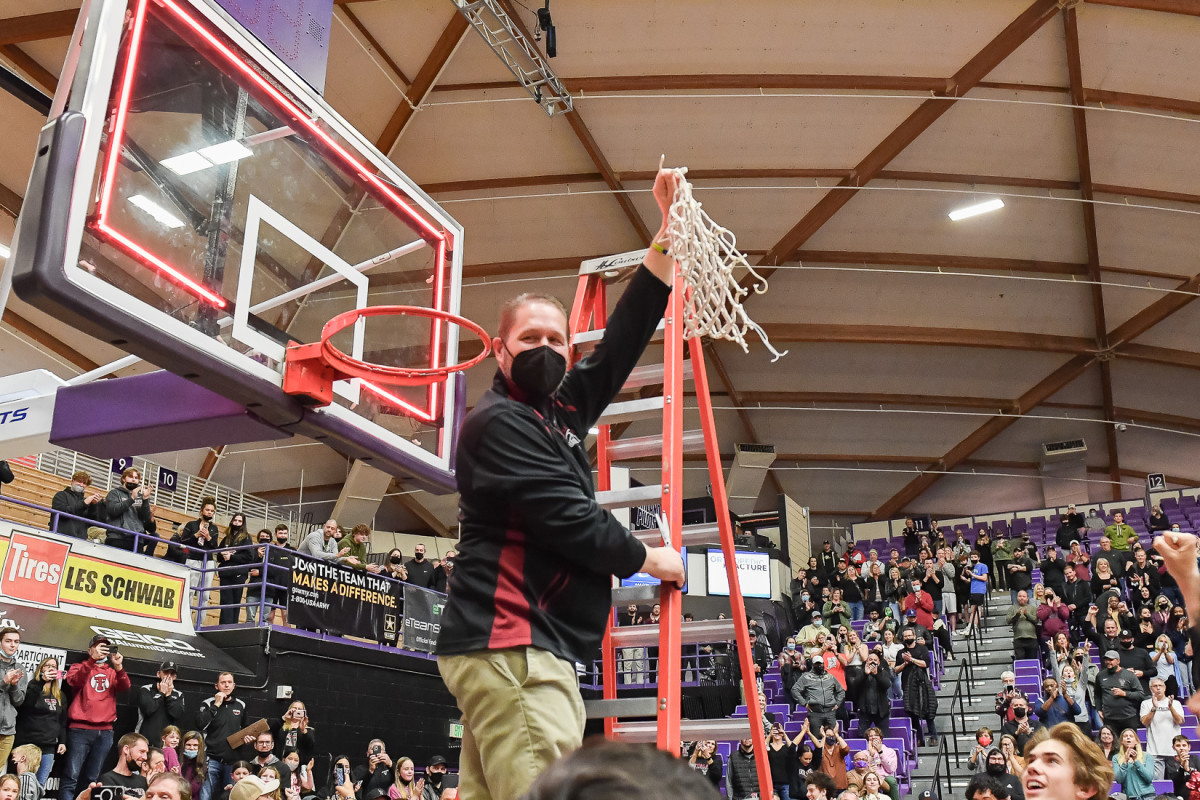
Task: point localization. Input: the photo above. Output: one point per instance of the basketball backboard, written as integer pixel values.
(198, 204)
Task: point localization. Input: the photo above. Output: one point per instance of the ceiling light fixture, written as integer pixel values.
(160, 214)
(975, 210)
(187, 163)
(226, 152)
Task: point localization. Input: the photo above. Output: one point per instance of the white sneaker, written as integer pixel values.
(964, 631)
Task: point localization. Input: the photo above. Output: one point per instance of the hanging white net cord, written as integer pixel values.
(707, 255)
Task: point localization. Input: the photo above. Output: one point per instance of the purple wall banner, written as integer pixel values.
(296, 31)
(168, 479)
(121, 463)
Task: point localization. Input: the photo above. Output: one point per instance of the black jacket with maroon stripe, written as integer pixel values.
(536, 552)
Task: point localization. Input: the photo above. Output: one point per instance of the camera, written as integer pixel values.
(376, 750)
(108, 793)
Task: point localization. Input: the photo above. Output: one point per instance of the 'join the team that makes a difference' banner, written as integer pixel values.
(58, 572)
(330, 597)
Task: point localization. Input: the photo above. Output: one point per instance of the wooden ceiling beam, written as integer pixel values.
(1158, 418)
(35, 72)
(714, 359)
(985, 433)
(211, 459)
(1087, 210)
(879, 398)
(1188, 7)
(919, 121)
(50, 342)
(1186, 359)
(784, 332)
(369, 39)
(1156, 312)
(1146, 101)
(941, 261)
(35, 27)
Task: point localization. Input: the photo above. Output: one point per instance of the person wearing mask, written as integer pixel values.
(1075, 689)
(807, 636)
(852, 592)
(14, 683)
(435, 774)
(920, 700)
(833, 751)
(837, 611)
(420, 569)
(820, 692)
(133, 752)
(873, 700)
(95, 682)
(323, 544)
(78, 499)
(1022, 726)
(1053, 568)
(159, 703)
(1067, 532)
(1020, 573)
(42, 716)
(255, 591)
(791, 667)
(1055, 705)
(193, 761)
(781, 759)
(1023, 619)
(1183, 769)
(1162, 717)
(1118, 693)
(233, 568)
(997, 770)
(279, 572)
(219, 717)
(883, 760)
(264, 751)
(977, 759)
(977, 574)
(1076, 596)
(1132, 769)
(199, 538)
(1137, 661)
(127, 510)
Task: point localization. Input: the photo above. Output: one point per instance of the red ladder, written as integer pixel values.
(666, 728)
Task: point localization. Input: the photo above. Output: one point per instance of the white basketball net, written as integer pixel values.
(707, 255)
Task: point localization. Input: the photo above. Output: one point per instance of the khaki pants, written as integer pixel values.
(521, 711)
(6, 746)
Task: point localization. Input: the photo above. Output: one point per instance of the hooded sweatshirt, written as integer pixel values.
(11, 697)
(95, 685)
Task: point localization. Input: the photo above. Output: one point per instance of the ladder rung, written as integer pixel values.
(690, 730)
(638, 593)
(589, 339)
(642, 446)
(696, 632)
(652, 375)
(631, 410)
(621, 707)
(704, 533)
(627, 498)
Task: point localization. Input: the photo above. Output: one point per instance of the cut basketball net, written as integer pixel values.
(707, 256)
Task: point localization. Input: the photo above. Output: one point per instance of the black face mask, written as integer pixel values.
(538, 371)
(434, 779)
(131, 485)
(909, 642)
(1019, 713)
(995, 769)
(819, 667)
(418, 556)
(206, 517)
(133, 766)
(1127, 645)
(395, 560)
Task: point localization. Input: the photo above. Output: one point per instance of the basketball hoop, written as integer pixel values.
(312, 369)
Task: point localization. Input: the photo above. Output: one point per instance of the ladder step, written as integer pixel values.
(652, 375)
(690, 730)
(621, 707)
(627, 498)
(639, 593)
(696, 632)
(642, 446)
(630, 410)
(693, 535)
(586, 340)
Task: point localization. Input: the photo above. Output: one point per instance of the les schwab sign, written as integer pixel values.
(72, 575)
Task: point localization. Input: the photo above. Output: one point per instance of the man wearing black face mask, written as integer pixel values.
(997, 769)
(533, 577)
(820, 692)
(1137, 661)
(420, 569)
(127, 507)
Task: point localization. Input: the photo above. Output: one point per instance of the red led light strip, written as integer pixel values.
(108, 181)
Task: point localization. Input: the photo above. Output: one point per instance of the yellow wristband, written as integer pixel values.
(659, 247)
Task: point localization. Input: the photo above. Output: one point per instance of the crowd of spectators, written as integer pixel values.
(69, 716)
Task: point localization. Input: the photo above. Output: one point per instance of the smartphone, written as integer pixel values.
(376, 750)
(339, 774)
(113, 649)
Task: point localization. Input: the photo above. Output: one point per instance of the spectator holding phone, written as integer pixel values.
(13, 682)
(341, 785)
(127, 508)
(43, 715)
(298, 782)
(95, 682)
(293, 732)
(376, 774)
(80, 500)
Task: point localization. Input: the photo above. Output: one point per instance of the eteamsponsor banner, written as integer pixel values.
(330, 597)
(80, 577)
(422, 618)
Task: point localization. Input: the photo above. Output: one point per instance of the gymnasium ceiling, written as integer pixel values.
(929, 359)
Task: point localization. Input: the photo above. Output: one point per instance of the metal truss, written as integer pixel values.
(519, 54)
